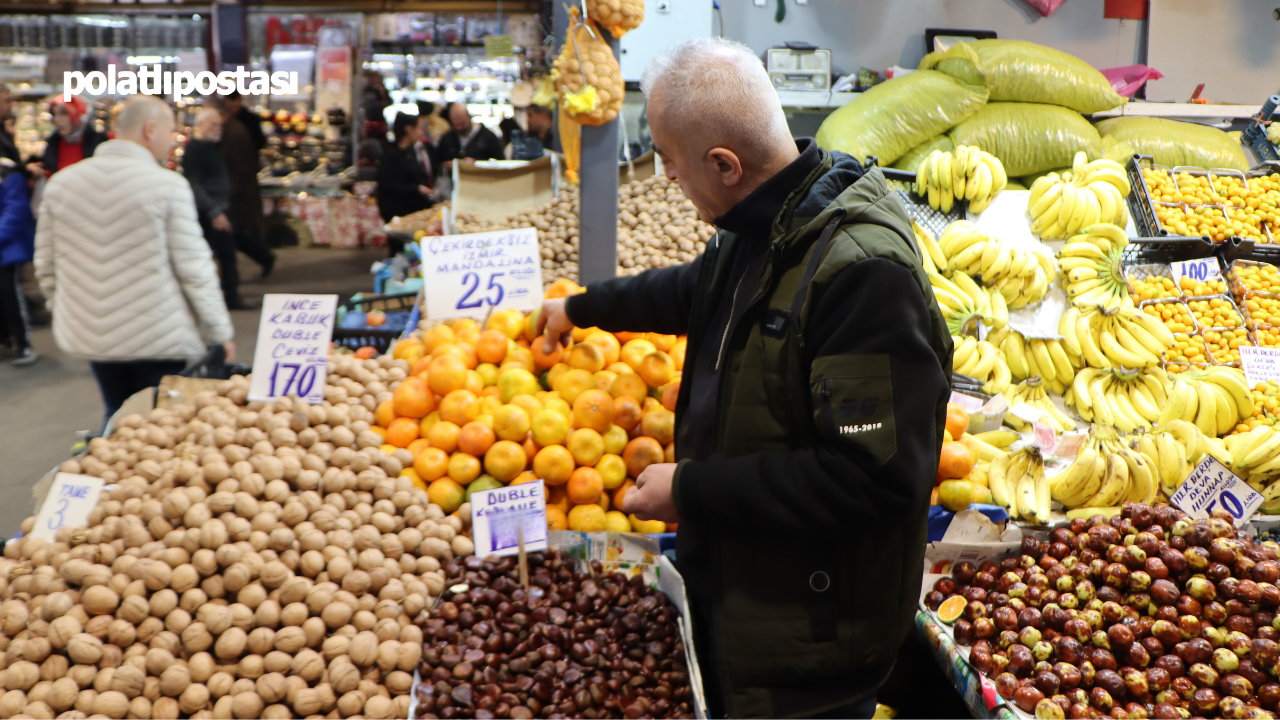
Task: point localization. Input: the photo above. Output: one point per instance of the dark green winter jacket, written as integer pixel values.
(803, 487)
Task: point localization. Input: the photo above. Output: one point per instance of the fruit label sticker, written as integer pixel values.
(293, 347)
(1211, 486)
(1042, 436)
(504, 517)
(67, 504)
(1259, 364)
(471, 275)
(1201, 270)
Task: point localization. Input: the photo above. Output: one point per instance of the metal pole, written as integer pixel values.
(598, 201)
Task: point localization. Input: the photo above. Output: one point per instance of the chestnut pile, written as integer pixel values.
(572, 645)
(1148, 614)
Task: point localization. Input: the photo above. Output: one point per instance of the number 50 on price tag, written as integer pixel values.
(470, 275)
(1211, 486)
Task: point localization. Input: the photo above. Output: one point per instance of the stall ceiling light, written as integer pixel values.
(151, 59)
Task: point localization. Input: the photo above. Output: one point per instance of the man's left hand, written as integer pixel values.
(651, 498)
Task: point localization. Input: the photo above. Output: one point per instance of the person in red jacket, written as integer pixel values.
(75, 138)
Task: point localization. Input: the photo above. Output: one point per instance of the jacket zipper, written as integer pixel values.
(828, 408)
(729, 324)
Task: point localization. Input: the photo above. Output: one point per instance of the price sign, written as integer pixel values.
(1201, 270)
(1043, 436)
(470, 275)
(1026, 412)
(1211, 486)
(67, 504)
(293, 347)
(1259, 364)
(504, 517)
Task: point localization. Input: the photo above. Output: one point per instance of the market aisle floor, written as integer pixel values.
(42, 406)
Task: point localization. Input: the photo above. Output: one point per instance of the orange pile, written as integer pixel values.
(484, 408)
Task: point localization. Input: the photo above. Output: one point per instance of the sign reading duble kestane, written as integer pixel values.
(470, 275)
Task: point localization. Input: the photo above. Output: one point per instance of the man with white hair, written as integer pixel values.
(122, 263)
(810, 414)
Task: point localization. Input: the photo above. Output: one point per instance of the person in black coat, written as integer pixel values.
(403, 185)
(468, 139)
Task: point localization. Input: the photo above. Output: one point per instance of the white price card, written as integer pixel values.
(1259, 364)
(1211, 486)
(293, 347)
(67, 505)
(1027, 412)
(470, 275)
(500, 516)
(1200, 270)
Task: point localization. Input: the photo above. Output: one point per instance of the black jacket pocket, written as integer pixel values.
(853, 402)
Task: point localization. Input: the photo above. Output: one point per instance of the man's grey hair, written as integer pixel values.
(206, 113)
(716, 93)
(140, 109)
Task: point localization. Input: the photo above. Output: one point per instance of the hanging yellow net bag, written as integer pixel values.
(588, 77)
(616, 16)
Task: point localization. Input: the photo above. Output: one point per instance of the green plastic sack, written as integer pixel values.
(1020, 71)
(1013, 184)
(1117, 150)
(891, 118)
(912, 159)
(1028, 137)
(1171, 143)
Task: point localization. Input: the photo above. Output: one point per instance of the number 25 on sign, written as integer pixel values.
(470, 275)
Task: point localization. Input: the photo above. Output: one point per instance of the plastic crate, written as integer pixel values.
(381, 337)
(1154, 244)
(902, 183)
(214, 366)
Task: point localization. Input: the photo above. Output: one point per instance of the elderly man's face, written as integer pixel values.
(702, 186)
(459, 118)
(209, 128)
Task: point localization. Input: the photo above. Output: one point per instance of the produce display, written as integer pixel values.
(255, 560)
(1088, 194)
(1020, 276)
(963, 174)
(1029, 137)
(1214, 203)
(1091, 265)
(473, 415)
(1048, 359)
(570, 644)
(425, 222)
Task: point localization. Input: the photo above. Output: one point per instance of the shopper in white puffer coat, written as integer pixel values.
(123, 264)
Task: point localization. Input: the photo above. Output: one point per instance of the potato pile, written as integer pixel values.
(259, 560)
(657, 227)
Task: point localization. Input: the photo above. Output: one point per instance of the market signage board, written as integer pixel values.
(1211, 486)
(292, 353)
(68, 504)
(471, 275)
(1259, 364)
(1200, 270)
(503, 518)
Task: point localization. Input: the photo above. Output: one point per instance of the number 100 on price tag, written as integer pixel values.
(293, 347)
(470, 275)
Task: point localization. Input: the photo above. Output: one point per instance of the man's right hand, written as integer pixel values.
(229, 348)
(424, 191)
(221, 223)
(554, 323)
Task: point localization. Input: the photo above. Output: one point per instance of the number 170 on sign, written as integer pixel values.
(296, 378)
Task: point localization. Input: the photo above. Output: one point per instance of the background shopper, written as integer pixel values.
(467, 139)
(244, 208)
(812, 401)
(75, 137)
(204, 168)
(17, 245)
(403, 183)
(122, 263)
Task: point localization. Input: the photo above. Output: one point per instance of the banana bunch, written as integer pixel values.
(1106, 473)
(1257, 459)
(1032, 392)
(1087, 194)
(963, 303)
(1125, 399)
(965, 174)
(1091, 265)
(1117, 337)
(1169, 453)
(1021, 275)
(1048, 358)
(981, 361)
(1215, 399)
(1017, 482)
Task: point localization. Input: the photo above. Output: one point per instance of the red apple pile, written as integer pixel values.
(1145, 614)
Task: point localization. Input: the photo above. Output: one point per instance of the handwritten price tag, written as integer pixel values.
(67, 504)
(1043, 436)
(1211, 486)
(1201, 270)
(468, 275)
(499, 517)
(1259, 364)
(293, 347)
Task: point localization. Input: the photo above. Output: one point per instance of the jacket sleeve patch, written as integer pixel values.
(853, 403)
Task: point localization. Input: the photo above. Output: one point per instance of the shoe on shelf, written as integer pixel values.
(26, 357)
(268, 266)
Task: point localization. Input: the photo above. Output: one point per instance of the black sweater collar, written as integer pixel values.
(754, 214)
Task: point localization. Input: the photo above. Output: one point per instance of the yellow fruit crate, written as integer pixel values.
(1224, 344)
(1175, 314)
(1215, 311)
(1249, 275)
(1151, 282)
(1187, 349)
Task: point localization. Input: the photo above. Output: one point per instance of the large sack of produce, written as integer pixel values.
(1170, 142)
(1029, 137)
(898, 114)
(913, 157)
(1117, 150)
(1020, 71)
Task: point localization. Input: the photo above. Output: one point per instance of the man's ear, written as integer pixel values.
(726, 165)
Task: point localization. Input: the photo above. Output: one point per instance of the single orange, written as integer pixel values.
(956, 461)
(406, 347)
(585, 485)
(420, 365)
(659, 424)
(625, 337)
(492, 346)
(604, 379)
(556, 519)
(541, 358)
(446, 493)
(621, 493)
(468, 335)
(488, 372)
(957, 420)
(593, 409)
(385, 413)
(613, 470)
(635, 351)
(554, 373)
(662, 342)
(460, 407)
(428, 422)
(531, 447)
(525, 477)
(463, 468)
(563, 287)
(586, 356)
(608, 344)
(436, 335)
(474, 383)
(669, 395)
(418, 445)
(366, 353)
(586, 445)
(475, 438)
(402, 432)
(375, 318)
(581, 333)
(508, 321)
(554, 464)
(648, 405)
(513, 381)
(431, 464)
(619, 368)
(586, 518)
(572, 383)
(549, 427)
(629, 384)
(511, 422)
(444, 436)
(615, 439)
(413, 399)
(626, 412)
(505, 460)
(677, 352)
(520, 356)
(640, 453)
(447, 373)
(490, 391)
(530, 403)
(557, 496)
(656, 368)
